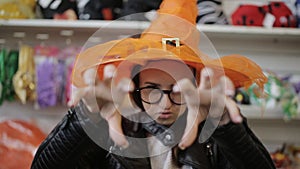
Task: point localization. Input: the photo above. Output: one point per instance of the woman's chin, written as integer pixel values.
(165, 122)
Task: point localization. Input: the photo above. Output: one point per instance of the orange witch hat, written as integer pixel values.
(175, 19)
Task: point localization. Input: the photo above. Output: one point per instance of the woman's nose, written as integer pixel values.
(165, 101)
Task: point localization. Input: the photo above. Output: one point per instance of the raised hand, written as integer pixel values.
(107, 98)
(211, 99)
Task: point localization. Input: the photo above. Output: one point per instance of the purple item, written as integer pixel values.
(46, 90)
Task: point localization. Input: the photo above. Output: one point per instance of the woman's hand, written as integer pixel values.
(211, 99)
(106, 98)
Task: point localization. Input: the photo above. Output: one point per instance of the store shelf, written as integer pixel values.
(258, 113)
(84, 29)
(141, 25)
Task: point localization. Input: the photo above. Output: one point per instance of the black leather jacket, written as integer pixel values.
(232, 146)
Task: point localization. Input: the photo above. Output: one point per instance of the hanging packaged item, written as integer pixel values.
(8, 68)
(24, 79)
(211, 12)
(2, 74)
(65, 66)
(17, 9)
(46, 76)
(58, 9)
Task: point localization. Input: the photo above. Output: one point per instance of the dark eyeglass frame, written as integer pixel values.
(168, 92)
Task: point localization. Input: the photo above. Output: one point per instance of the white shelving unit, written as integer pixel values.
(276, 49)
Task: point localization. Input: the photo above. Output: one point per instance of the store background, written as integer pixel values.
(59, 26)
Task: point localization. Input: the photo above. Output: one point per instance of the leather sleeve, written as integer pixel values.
(68, 144)
(241, 147)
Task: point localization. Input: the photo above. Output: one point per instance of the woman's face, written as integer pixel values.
(163, 75)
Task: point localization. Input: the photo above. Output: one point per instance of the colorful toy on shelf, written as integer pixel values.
(289, 100)
(281, 158)
(276, 92)
(17, 9)
(211, 12)
(273, 90)
(294, 151)
(273, 14)
(241, 96)
(64, 9)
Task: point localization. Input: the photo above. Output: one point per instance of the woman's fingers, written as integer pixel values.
(97, 92)
(115, 130)
(77, 94)
(104, 96)
(89, 76)
(122, 95)
(189, 92)
(230, 105)
(206, 79)
(233, 111)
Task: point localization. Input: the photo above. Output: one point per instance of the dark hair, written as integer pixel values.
(136, 96)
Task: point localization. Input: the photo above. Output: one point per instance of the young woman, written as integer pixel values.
(164, 94)
(154, 103)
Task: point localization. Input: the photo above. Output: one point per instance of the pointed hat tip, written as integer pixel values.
(185, 9)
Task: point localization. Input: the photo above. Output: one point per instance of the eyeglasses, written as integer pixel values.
(153, 95)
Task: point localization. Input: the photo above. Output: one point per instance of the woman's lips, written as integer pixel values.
(165, 115)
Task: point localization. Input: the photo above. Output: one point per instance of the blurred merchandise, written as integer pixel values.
(19, 141)
(295, 154)
(132, 7)
(8, 67)
(281, 158)
(272, 14)
(53, 71)
(269, 98)
(99, 9)
(62, 9)
(40, 75)
(248, 15)
(287, 156)
(283, 14)
(24, 79)
(211, 12)
(298, 12)
(46, 73)
(289, 100)
(17, 9)
(242, 97)
(66, 60)
(277, 91)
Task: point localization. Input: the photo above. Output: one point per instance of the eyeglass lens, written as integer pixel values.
(153, 95)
